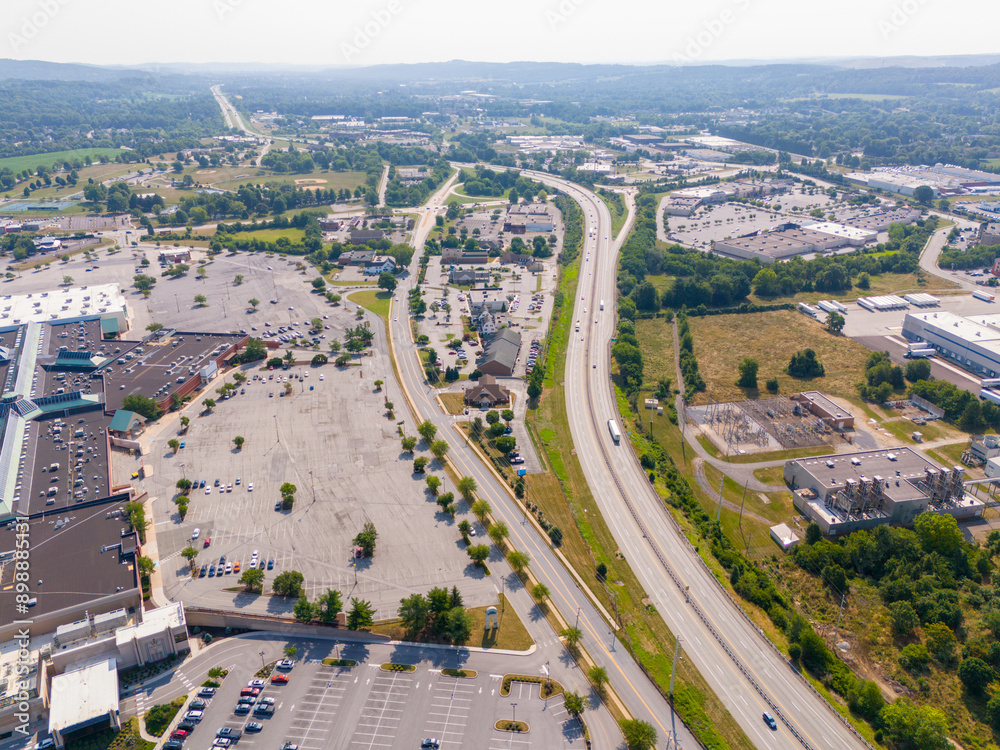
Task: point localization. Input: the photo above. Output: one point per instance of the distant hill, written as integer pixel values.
(39, 70)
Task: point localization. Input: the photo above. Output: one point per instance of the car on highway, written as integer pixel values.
(769, 720)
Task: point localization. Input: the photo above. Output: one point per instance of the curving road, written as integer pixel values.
(639, 694)
(745, 670)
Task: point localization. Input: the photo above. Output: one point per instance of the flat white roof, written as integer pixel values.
(842, 230)
(61, 304)
(84, 692)
(967, 329)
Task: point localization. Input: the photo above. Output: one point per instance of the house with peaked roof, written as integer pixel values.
(487, 393)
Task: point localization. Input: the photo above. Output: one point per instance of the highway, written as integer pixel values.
(636, 690)
(743, 668)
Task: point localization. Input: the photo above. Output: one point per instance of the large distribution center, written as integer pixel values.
(973, 343)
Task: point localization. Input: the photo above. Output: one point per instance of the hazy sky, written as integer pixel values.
(370, 32)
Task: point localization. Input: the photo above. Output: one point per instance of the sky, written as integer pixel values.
(373, 32)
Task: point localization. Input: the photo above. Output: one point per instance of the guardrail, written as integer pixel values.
(684, 590)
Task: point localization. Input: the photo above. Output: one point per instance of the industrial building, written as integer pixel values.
(788, 240)
(851, 491)
(973, 342)
(989, 234)
(99, 302)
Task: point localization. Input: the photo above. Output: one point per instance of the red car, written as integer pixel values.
(280, 679)
(208, 541)
(179, 734)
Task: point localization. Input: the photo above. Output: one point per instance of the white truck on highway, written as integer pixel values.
(613, 429)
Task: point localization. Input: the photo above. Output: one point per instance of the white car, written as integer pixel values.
(250, 487)
(253, 562)
(208, 490)
(257, 683)
(196, 533)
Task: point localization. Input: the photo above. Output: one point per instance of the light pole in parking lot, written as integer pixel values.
(262, 659)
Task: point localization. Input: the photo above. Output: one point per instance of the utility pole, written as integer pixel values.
(836, 631)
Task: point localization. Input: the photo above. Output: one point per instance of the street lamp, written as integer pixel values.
(262, 659)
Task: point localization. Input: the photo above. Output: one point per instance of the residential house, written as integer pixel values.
(487, 393)
(380, 264)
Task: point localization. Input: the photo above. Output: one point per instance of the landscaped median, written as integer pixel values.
(467, 673)
(390, 667)
(328, 662)
(547, 689)
(506, 725)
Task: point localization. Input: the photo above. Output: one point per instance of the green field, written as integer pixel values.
(271, 235)
(18, 163)
(317, 179)
(376, 301)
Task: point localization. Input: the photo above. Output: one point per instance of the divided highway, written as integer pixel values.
(745, 670)
(639, 694)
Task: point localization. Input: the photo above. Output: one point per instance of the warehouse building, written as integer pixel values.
(851, 491)
(972, 343)
(500, 355)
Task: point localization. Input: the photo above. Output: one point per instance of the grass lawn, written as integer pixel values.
(19, 163)
(376, 301)
(316, 179)
(454, 403)
(566, 500)
(951, 454)
(721, 341)
(618, 213)
(271, 235)
(510, 635)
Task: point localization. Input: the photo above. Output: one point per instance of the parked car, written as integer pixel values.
(198, 704)
(242, 709)
(204, 571)
(257, 683)
(195, 716)
(285, 664)
(229, 732)
(254, 726)
(279, 679)
(206, 692)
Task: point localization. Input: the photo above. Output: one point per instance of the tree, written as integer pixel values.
(175, 445)
(427, 431)
(938, 533)
(748, 373)
(329, 605)
(141, 405)
(909, 727)
(67, 280)
(972, 417)
(464, 527)
(941, 642)
(184, 484)
(975, 674)
(288, 583)
(459, 625)
(238, 279)
(507, 415)
(303, 611)
(146, 566)
(254, 351)
(904, 618)
(835, 322)
(439, 448)
(804, 364)
(419, 464)
(319, 284)
(573, 702)
(638, 734)
(387, 281)
(201, 300)
(923, 194)
(254, 303)
(189, 554)
(409, 443)
(598, 676)
(253, 579)
(414, 612)
(143, 283)
(361, 615)
(492, 417)
(238, 442)
(209, 404)
(572, 635)
(540, 592)
(366, 539)
(319, 359)
(481, 509)
(918, 369)
(479, 553)
(765, 283)
(498, 533)
(433, 483)
(467, 486)
(519, 560)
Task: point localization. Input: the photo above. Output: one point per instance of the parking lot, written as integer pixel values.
(324, 707)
